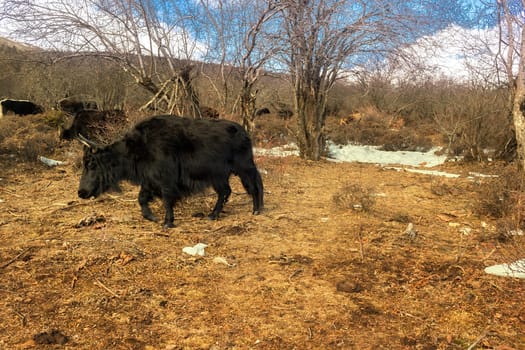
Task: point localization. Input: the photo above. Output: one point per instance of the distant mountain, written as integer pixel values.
(17, 45)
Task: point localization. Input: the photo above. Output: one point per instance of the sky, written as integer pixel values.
(442, 51)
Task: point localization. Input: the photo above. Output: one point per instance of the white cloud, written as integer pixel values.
(460, 53)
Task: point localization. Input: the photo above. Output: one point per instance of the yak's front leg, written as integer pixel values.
(168, 201)
(146, 196)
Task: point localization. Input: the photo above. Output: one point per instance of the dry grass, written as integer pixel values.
(28, 137)
(305, 274)
(354, 196)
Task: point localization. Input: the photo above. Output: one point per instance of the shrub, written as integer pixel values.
(503, 196)
(354, 196)
(28, 136)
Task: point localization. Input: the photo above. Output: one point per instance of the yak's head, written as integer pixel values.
(101, 169)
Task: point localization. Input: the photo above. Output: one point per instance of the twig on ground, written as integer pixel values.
(118, 199)
(459, 255)
(100, 284)
(295, 273)
(12, 193)
(478, 340)
(15, 258)
(489, 254)
(361, 250)
(22, 317)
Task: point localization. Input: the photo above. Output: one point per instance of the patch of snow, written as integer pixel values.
(363, 154)
(424, 171)
(372, 154)
(290, 149)
(409, 161)
(475, 174)
(515, 269)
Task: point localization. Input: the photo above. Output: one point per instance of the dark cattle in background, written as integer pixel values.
(171, 158)
(94, 124)
(285, 113)
(19, 107)
(262, 111)
(73, 106)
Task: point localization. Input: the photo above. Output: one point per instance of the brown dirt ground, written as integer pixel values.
(305, 274)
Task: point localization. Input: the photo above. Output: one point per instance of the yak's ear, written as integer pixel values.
(88, 143)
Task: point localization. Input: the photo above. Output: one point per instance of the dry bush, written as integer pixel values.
(28, 137)
(367, 129)
(377, 128)
(504, 199)
(405, 140)
(354, 196)
(503, 196)
(272, 130)
(471, 120)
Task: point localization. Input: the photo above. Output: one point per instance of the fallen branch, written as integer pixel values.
(295, 273)
(12, 193)
(100, 284)
(22, 317)
(15, 258)
(478, 340)
(361, 249)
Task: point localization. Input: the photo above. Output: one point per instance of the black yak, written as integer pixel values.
(19, 107)
(95, 125)
(172, 157)
(262, 111)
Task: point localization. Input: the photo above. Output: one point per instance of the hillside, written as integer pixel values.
(18, 45)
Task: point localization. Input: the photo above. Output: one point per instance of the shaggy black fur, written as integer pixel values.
(172, 157)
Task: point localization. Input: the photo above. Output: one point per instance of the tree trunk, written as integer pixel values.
(310, 110)
(518, 107)
(519, 125)
(248, 99)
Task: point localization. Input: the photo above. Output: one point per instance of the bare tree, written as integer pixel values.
(321, 35)
(148, 43)
(237, 33)
(512, 54)
(324, 37)
(254, 56)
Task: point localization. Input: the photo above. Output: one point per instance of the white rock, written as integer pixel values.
(197, 249)
(50, 162)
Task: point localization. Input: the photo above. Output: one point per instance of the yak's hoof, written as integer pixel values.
(213, 216)
(168, 225)
(151, 217)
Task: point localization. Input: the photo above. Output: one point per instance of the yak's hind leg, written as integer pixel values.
(223, 190)
(146, 196)
(252, 183)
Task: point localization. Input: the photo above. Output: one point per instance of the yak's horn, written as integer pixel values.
(86, 142)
